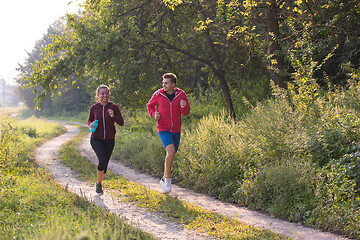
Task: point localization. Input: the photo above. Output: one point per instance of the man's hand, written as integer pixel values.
(157, 116)
(182, 103)
(111, 112)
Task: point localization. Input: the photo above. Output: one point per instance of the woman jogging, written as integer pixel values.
(103, 138)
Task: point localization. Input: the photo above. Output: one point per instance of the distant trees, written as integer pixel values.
(69, 99)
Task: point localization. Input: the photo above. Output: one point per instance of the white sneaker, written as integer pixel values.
(166, 185)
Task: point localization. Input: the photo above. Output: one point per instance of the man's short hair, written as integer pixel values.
(170, 76)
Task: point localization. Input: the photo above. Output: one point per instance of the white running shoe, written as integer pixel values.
(166, 185)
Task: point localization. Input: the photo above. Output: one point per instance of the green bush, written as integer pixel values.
(336, 130)
(30, 131)
(296, 157)
(272, 131)
(351, 162)
(337, 200)
(208, 159)
(285, 190)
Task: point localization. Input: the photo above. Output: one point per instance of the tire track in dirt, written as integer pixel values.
(47, 157)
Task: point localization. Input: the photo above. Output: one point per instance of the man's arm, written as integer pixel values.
(151, 106)
(184, 106)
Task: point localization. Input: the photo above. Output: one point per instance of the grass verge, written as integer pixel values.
(189, 215)
(34, 206)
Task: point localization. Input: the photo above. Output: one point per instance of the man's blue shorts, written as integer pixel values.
(167, 138)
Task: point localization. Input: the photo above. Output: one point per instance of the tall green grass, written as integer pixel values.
(33, 206)
(295, 156)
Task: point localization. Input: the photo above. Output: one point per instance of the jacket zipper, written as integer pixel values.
(103, 115)
(172, 124)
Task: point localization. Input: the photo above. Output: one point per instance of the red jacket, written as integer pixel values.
(106, 128)
(170, 112)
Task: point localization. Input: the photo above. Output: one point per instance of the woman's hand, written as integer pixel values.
(111, 112)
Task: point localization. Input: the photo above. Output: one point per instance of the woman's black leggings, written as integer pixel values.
(103, 150)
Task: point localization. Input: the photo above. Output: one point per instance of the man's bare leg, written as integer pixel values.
(169, 160)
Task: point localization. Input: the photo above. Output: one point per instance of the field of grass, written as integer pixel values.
(33, 206)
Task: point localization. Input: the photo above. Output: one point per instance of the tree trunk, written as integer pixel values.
(225, 89)
(220, 73)
(276, 57)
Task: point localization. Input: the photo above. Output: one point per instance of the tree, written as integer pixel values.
(139, 39)
(264, 14)
(329, 29)
(335, 34)
(130, 44)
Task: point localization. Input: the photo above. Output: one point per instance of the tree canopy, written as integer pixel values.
(233, 45)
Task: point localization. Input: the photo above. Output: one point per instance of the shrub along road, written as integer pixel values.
(47, 157)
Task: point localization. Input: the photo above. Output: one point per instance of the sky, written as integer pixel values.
(22, 23)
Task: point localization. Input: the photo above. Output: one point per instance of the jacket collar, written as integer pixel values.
(162, 91)
(99, 103)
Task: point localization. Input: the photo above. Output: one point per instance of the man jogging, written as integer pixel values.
(166, 106)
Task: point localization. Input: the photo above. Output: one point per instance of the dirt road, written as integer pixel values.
(47, 157)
